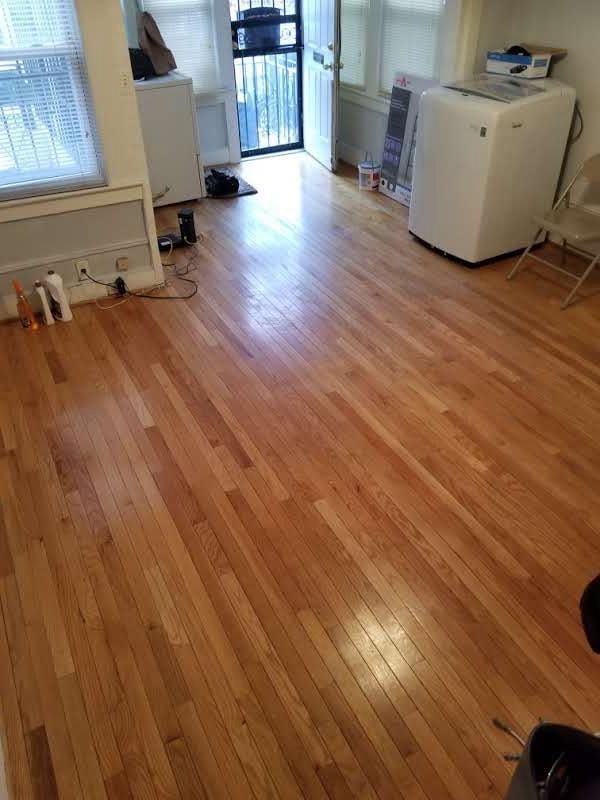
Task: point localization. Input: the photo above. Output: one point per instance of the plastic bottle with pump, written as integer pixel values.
(43, 295)
(59, 304)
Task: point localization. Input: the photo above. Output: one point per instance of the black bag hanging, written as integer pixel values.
(558, 763)
(141, 66)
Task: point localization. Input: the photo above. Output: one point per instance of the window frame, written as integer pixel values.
(438, 55)
(67, 182)
(360, 87)
(371, 95)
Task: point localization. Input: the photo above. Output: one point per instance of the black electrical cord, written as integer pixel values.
(579, 116)
(124, 290)
(168, 296)
(102, 283)
(177, 274)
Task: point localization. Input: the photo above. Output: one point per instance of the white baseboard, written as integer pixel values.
(349, 153)
(86, 291)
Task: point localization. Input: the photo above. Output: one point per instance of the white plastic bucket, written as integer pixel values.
(368, 174)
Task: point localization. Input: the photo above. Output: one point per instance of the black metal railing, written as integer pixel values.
(268, 65)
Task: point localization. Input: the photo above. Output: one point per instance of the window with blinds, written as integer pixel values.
(409, 39)
(187, 26)
(48, 139)
(354, 41)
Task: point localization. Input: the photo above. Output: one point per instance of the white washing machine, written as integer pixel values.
(488, 157)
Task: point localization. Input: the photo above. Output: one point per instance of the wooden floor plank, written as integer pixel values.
(306, 533)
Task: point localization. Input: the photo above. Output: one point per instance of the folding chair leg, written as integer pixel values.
(563, 258)
(579, 283)
(524, 255)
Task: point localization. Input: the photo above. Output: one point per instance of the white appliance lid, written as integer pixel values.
(496, 87)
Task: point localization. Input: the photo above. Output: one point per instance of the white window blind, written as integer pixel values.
(354, 41)
(410, 39)
(48, 140)
(187, 26)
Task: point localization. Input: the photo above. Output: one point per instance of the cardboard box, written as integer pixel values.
(400, 137)
(535, 65)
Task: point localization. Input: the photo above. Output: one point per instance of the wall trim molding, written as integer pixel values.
(63, 202)
(350, 153)
(85, 292)
(380, 105)
(73, 255)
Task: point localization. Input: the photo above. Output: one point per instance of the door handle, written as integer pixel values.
(339, 65)
(327, 66)
(330, 46)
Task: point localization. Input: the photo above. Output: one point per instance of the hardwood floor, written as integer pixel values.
(307, 533)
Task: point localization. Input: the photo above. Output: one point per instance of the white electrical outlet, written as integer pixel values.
(81, 267)
(122, 263)
(125, 83)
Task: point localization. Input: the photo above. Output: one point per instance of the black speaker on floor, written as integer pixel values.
(187, 232)
(187, 229)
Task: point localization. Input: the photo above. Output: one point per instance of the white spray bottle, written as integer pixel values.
(43, 295)
(59, 304)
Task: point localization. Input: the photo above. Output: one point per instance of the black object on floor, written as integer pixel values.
(221, 184)
(590, 613)
(558, 763)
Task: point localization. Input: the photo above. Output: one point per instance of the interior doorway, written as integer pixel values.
(267, 53)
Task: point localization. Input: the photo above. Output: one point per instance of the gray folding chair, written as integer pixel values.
(578, 228)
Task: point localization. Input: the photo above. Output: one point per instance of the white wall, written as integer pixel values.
(109, 72)
(361, 130)
(574, 25)
(495, 30)
(101, 223)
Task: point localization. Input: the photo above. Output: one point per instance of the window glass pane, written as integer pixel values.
(48, 139)
(354, 39)
(410, 39)
(267, 98)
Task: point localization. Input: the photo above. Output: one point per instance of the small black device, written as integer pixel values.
(518, 50)
(187, 229)
(187, 232)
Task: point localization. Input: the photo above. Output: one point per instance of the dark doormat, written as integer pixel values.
(245, 188)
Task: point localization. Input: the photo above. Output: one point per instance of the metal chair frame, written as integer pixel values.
(589, 170)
